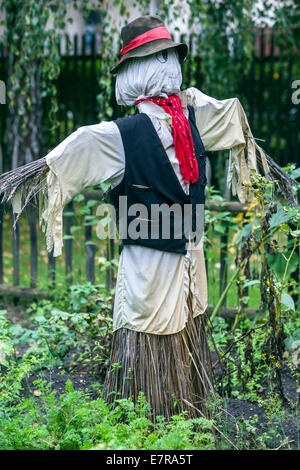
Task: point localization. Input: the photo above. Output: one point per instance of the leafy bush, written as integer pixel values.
(73, 421)
(79, 331)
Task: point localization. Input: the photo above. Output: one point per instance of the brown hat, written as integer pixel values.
(144, 36)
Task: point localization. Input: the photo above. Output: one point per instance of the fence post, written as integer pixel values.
(224, 245)
(110, 254)
(296, 274)
(90, 252)
(208, 177)
(16, 253)
(51, 268)
(69, 243)
(33, 246)
(1, 222)
(1, 243)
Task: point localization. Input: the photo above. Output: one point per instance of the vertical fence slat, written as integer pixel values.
(77, 95)
(92, 104)
(51, 268)
(270, 89)
(33, 246)
(288, 124)
(297, 137)
(1, 220)
(223, 262)
(110, 254)
(69, 243)
(85, 79)
(208, 177)
(279, 103)
(251, 97)
(16, 252)
(296, 274)
(67, 87)
(224, 245)
(261, 79)
(1, 243)
(90, 252)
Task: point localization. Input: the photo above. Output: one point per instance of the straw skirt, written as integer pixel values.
(173, 371)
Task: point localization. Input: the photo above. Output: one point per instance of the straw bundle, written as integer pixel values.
(284, 182)
(173, 371)
(28, 179)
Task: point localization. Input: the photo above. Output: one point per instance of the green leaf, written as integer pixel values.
(69, 386)
(288, 301)
(245, 232)
(278, 263)
(219, 228)
(288, 342)
(291, 343)
(251, 283)
(75, 228)
(296, 334)
(92, 203)
(295, 173)
(280, 217)
(104, 186)
(221, 215)
(295, 233)
(79, 198)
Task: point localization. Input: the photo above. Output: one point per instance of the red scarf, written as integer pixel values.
(182, 136)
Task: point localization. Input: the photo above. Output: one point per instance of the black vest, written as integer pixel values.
(149, 179)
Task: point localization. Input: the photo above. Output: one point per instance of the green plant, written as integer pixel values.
(72, 421)
(78, 336)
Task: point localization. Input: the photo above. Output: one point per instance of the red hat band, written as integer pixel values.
(156, 33)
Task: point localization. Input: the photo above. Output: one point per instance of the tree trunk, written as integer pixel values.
(24, 130)
(24, 122)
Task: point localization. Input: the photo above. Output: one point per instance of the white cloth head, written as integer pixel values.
(154, 75)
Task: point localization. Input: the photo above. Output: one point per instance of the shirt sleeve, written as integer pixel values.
(222, 125)
(89, 156)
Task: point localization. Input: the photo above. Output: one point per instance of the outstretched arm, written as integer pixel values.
(89, 156)
(223, 125)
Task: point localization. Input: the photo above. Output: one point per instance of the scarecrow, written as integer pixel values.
(155, 157)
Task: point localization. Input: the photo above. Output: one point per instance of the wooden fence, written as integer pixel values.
(30, 288)
(31, 274)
